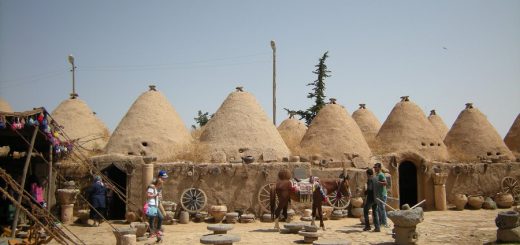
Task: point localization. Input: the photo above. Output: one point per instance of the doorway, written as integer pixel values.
(407, 183)
(116, 207)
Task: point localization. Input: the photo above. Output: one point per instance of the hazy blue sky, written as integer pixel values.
(440, 53)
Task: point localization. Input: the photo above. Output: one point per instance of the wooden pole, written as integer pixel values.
(49, 180)
(273, 46)
(416, 205)
(390, 207)
(20, 192)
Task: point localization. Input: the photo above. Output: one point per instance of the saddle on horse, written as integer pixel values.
(304, 188)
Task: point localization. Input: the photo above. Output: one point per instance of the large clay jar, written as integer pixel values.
(504, 200)
(357, 202)
(460, 201)
(475, 202)
(218, 212)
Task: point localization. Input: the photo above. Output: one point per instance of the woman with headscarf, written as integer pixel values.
(97, 197)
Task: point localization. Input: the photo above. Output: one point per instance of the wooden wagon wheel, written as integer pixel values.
(193, 200)
(338, 203)
(510, 185)
(264, 195)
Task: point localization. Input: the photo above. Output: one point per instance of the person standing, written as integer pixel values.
(381, 193)
(370, 202)
(97, 196)
(155, 208)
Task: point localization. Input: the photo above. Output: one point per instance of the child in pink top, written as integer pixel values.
(37, 192)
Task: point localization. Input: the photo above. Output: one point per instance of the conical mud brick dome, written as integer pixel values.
(408, 130)
(151, 127)
(472, 138)
(334, 136)
(292, 132)
(512, 138)
(4, 106)
(438, 124)
(81, 125)
(368, 123)
(240, 128)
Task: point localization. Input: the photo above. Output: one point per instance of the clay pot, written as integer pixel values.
(357, 202)
(67, 196)
(218, 212)
(184, 217)
(475, 202)
(130, 217)
(460, 201)
(327, 212)
(504, 200)
(169, 206)
(140, 228)
(357, 212)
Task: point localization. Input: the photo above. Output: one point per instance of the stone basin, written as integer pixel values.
(406, 218)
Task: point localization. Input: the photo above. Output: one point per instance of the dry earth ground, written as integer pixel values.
(439, 227)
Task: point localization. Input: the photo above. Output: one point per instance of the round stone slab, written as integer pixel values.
(294, 227)
(310, 234)
(219, 239)
(310, 228)
(332, 242)
(220, 228)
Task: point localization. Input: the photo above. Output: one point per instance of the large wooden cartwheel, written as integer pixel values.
(193, 200)
(264, 195)
(338, 203)
(511, 185)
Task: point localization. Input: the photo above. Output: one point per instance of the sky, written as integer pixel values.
(442, 54)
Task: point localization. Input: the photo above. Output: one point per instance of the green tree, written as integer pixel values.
(318, 92)
(201, 119)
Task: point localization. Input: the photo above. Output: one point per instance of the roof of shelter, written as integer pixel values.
(240, 127)
(4, 106)
(512, 138)
(292, 131)
(407, 129)
(368, 123)
(81, 124)
(151, 127)
(472, 138)
(334, 136)
(438, 124)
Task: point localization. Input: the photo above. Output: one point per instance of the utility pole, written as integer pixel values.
(273, 46)
(73, 95)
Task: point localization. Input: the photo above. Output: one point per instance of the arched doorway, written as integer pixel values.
(407, 183)
(116, 207)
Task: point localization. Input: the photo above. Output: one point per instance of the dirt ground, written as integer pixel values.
(439, 227)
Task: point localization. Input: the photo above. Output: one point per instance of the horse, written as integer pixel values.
(284, 191)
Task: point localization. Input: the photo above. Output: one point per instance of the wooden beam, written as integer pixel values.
(24, 175)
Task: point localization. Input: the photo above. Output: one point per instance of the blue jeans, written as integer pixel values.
(382, 210)
(375, 213)
(151, 220)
